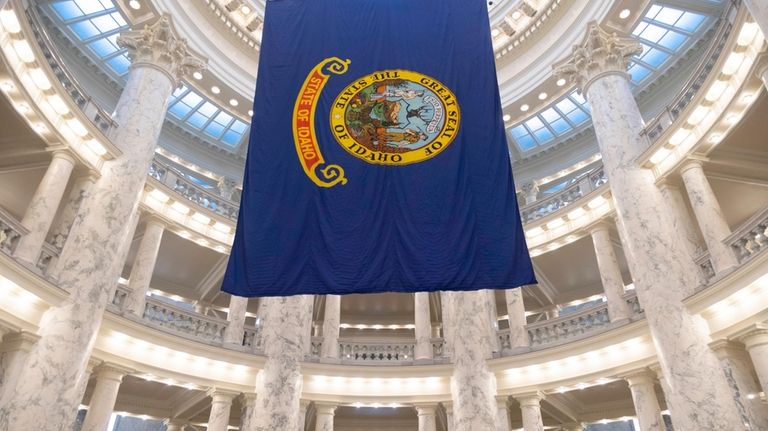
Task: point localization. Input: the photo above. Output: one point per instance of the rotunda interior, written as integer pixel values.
(651, 308)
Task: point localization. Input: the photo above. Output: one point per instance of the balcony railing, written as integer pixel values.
(11, 232)
(174, 179)
(98, 116)
(565, 197)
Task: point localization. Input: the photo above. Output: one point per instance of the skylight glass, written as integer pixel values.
(560, 118)
(664, 32)
(198, 113)
(96, 24)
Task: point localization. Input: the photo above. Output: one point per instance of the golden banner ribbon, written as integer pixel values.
(307, 146)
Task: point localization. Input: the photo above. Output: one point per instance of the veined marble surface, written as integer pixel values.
(610, 274)
(699, 396)
(47, 399)
(530, 407)
(518, 335)
(63, 223)
(473, 385)
(423, 324)
(646, 403)
(143, 267)
(221, 406)
(331, 323)
(238, 306)
(285, 327)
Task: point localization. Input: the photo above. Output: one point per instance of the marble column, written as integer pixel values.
(143, 267)
(530, 404)
(683, 222)
(473, 385)
(502, 413)
(493, 319)
(221, 407)
(756, 343)
(744, 385)
(709, 216)
(646, 404)
(664, 275)
(285, 329)
(303, 407)
(446, 299)
(108, 380)
(324, 416)
(247, 411)
(14, 349)
(518, 334)
(48, 398)
(448, 406)
(68, 212)
(331, 323)
(610, 273)
(43, 206)
(427, 415)
(423, 323)
(233, 335)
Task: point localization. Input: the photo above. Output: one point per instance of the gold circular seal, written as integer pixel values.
(395, 117)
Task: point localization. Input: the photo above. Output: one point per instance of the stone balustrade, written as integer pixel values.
(11, 231)
(656, 127)
(376, 351)
(252, 339)
(747, 241)
(163, 315)
(542, 208)
(176, 181)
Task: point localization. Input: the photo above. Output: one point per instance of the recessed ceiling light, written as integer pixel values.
(233, 102)
(525, 108)
(197, 75)
(134, 4)
(215, 90)
(561, 82)
(507, 118)
(516, 14)
(250, 113)
(245, 10)
(624, 14)
(543, 96)
(495, 32)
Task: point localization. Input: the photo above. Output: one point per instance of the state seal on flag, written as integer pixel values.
(395, 117)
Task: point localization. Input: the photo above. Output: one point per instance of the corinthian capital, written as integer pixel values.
(601, 53)
(159, 45)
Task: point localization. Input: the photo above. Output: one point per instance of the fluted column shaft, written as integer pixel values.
(427, 418)
(42, 209)
(331, 323)
(143, 267)
(518, 335)
(108, 380)
(756, 344)
(646, 403)
(531, 409)
(47, 399)
(324, 419)
(473, 385)
(610, 274)
(238, 306)
(221, 406)
(709, 216)
(664, 275)
(285, 329)
(423, 323)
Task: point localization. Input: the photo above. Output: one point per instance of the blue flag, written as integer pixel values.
(378, 160)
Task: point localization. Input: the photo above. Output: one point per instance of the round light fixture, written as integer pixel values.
(215, 90)
(624, 14)
(525, 108)
(507, 117)
(543, 96)
(197, 75)
(233, 102)
(134, 4)
(561, 82)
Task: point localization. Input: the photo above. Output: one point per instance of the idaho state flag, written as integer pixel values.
(378, 159)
